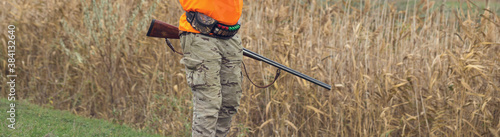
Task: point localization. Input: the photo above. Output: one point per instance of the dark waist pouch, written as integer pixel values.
(210, 27)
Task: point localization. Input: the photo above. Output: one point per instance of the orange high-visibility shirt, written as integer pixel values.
(227, 12)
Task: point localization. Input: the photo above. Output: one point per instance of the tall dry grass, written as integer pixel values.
(419, 70)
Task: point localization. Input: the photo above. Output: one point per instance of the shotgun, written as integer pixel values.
(161, 29)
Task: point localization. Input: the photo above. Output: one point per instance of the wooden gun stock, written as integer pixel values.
(162, 30)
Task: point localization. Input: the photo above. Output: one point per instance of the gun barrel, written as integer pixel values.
(256, 56)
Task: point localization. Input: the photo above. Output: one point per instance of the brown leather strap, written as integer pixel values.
(278, 72)
(172, 47)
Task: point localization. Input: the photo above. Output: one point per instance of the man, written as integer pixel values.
(212, 56)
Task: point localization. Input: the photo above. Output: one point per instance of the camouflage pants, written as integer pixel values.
(213, 73)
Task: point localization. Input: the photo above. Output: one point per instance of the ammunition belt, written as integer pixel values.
(211, 27)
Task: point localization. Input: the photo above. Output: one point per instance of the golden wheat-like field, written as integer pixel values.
(418, 69)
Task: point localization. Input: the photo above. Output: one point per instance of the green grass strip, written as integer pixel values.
(33, 120)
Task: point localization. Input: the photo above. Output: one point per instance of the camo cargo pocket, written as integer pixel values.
(194, 73)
